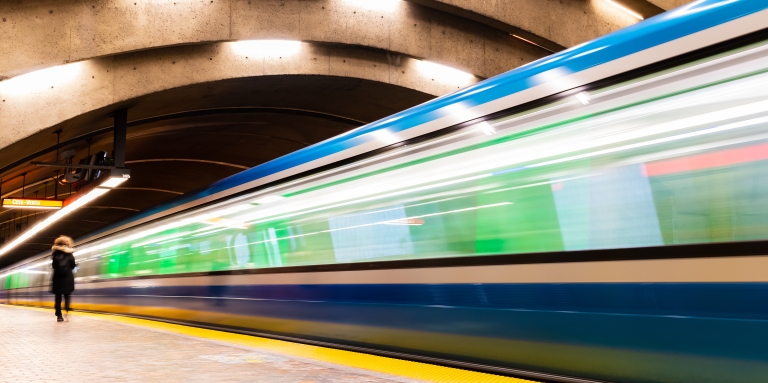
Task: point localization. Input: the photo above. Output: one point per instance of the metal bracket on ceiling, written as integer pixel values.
(118, 147)
(78, 166)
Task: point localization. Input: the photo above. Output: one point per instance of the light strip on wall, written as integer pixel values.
(88, 197)
(625, 9)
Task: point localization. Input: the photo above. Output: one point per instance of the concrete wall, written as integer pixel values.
(566, 22)
(123, 49)
(43, 33)
(35, 101)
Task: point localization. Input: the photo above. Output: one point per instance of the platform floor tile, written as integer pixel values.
(100, 348)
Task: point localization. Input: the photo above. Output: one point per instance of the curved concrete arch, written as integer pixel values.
(35, 101)
(565, 22)
(44, 33)
(185, 160)
(333, 101)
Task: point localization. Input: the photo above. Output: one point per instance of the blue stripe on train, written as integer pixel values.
(713, 300)
(685, 332)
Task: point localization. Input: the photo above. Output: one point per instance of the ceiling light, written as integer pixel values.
(625, 9)
(266, 47)
(444, 73)
(116, 179)
(583, 97)
(41, 79)
(88, 197)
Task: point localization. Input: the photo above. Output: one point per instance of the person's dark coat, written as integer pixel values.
(63, 262)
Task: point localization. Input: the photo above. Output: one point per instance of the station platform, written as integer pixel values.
(92, 347)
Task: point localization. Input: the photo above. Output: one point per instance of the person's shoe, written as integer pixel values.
(59, 319)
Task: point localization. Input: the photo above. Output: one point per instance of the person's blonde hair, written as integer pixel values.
(63, 240)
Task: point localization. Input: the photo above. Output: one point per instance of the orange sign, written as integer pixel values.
(32, 203)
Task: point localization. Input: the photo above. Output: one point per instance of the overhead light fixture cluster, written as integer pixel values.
(116, 178)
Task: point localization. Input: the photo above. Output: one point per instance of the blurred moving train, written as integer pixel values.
(599, 214)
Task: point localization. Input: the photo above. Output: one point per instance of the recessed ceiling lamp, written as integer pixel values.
(41, 79)
(116, 178)
(625, 9)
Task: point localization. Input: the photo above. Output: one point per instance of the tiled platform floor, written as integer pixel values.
(35, 348)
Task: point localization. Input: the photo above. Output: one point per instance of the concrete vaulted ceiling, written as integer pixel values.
(204, 106)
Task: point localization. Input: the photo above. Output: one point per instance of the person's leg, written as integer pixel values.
(57, 305)
(66, 302)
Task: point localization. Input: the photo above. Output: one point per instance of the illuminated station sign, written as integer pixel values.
(33, 203)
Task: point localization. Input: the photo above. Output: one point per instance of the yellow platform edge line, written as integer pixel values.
(380, 364)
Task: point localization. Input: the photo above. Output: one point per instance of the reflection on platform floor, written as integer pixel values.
(101, 348)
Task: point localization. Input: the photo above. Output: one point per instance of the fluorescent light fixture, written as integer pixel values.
(583, 97)
(375, 4)
(115, 180)
(444, 73)
(116, 177)
(41, 79)
(625, 9)
(269, 199)
(531, 42)
(486, 128)
(88, 197)
(255, 48)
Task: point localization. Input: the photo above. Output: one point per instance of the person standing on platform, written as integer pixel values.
(63, 262)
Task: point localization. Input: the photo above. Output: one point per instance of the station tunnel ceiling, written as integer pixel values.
(199, 111)
(185, 139)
